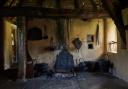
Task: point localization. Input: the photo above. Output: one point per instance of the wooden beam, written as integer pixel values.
(21, 47)
(51, 13)
(58, 3)
(1, 45)
(115, 13)
(12, 2)
(2, 2)
(77, 4)
(20, 2)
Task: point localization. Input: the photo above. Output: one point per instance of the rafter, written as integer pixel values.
(58, 3)
(115, 13)
(20, 2)
(8, 3)
(12, 2)
(76, 4)
(2, 2)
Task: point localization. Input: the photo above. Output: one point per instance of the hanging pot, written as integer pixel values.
(77, 43)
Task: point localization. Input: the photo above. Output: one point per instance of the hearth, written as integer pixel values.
(64, 75)
(64, 62)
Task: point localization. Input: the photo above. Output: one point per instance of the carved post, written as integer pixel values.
(21, 47)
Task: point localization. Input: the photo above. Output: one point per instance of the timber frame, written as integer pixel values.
(114, 11)
(51, 13)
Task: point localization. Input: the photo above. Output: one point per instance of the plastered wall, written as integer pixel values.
(119, 59)
(37, 49)
(111, 36)
(79, 28)
(8, 51)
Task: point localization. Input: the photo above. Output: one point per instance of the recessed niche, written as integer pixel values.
(34, 34)
(90, 46)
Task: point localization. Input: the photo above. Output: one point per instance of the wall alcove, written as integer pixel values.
(34, 33)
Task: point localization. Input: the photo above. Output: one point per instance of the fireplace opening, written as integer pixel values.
(64, 62)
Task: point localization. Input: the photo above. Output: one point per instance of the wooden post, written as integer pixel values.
(1, 45)
(21, 47)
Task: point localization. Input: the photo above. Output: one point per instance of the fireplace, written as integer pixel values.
(64, 62)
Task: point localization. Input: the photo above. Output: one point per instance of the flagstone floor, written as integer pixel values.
(81, 81)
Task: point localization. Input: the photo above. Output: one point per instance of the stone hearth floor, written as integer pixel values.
(81, 81)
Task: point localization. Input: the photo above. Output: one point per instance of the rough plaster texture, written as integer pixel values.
(79, 28)
(83, 28)
(111, 36)
(120, 59)
(8, 51)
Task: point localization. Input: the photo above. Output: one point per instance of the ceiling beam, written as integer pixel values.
(115, 13)
(3, 2)
(12, 2)
(51, 13)
(58, 3)
(20, 2)
(77, 4)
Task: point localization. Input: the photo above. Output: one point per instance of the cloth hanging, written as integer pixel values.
(97, 34)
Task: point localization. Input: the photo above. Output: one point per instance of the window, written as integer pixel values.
(111, 36)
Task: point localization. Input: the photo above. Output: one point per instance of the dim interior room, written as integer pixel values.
(89, 40)
(64, 44)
